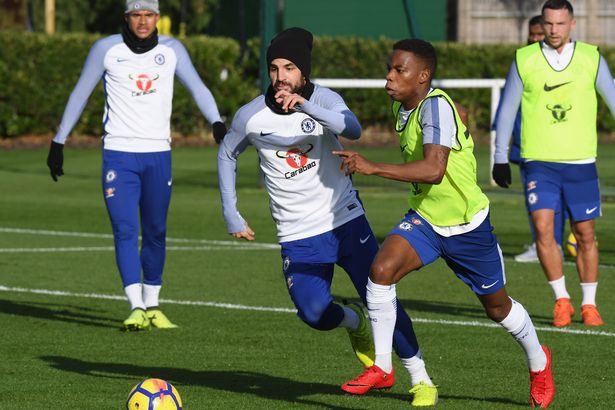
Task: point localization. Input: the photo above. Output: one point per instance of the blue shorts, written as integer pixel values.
(475, 256)
(352, 246)
(559, 223)
(308, 269)
(571, 187)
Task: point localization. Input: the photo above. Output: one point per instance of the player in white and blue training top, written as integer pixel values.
(320, 220)
(137, 68)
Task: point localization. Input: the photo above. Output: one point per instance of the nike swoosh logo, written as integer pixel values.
(488, 286)
(548, 88)
(589, 211)
(121, 60)
(364, 240)
(265, 133)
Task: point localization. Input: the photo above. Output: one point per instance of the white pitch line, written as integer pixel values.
(463, 323)
(121, 297)
(111, 248)
(230, 244)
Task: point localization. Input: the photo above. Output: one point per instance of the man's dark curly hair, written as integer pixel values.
(422, 49)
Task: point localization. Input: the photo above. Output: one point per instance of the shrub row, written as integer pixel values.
(38, 72)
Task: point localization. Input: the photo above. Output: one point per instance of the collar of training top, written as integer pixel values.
(137, 45)
(306, 92)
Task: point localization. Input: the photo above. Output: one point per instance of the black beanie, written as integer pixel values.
(293, 44)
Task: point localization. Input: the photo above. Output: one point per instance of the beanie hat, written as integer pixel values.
(293, 44)
(138, 5)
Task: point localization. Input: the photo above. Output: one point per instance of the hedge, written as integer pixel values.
(38, 72)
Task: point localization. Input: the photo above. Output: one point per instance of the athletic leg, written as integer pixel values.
(154, 206)
(358, 250)
(309, 287)
(477, 260)
(121, 190)
(581, 192)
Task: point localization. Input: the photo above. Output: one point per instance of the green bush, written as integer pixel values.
(38, 72)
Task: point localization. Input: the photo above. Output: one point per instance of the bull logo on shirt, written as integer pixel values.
(297, 159)
(558, 111)
(144, 83)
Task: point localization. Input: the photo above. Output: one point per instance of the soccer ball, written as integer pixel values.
(154, 394)
(571, 245)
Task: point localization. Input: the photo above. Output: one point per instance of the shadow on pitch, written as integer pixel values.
(237, 381)
(60, 312)
(234, 381)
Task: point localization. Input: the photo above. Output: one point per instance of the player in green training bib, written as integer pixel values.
(556, 83)
(448, 216)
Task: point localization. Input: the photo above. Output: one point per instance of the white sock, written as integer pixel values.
(150, 295)
(521, 328)
(135, 296)
(382, 307)
(589, 293)
(416, 367)
(559, 288)
(351, 320)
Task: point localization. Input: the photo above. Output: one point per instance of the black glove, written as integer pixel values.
(501, 174)
(219, 131)
(55, 160)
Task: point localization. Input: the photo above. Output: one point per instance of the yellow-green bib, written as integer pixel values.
(458, 197)
(558, 108)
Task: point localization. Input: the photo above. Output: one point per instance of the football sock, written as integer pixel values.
(351, 320)
(559, 288)
(150, 295)
(135, 296)
(521, 328)
(416, 367)
(382, 307)
(589, 293)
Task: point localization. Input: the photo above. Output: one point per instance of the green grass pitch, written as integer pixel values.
(239, 345)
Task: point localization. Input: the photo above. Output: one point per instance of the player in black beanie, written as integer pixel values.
(289, 50)
(294, 44)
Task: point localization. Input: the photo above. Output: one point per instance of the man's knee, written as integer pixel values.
(382, 272)
(321, 317)
(125, 232)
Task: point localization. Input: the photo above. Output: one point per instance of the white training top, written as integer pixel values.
(309, 193)
(138, 93)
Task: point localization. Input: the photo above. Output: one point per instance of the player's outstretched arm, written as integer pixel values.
(92, 71)
(429, 170)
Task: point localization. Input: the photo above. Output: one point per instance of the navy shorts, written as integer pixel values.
(308, 263)
(475, 256)
(571, 187)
